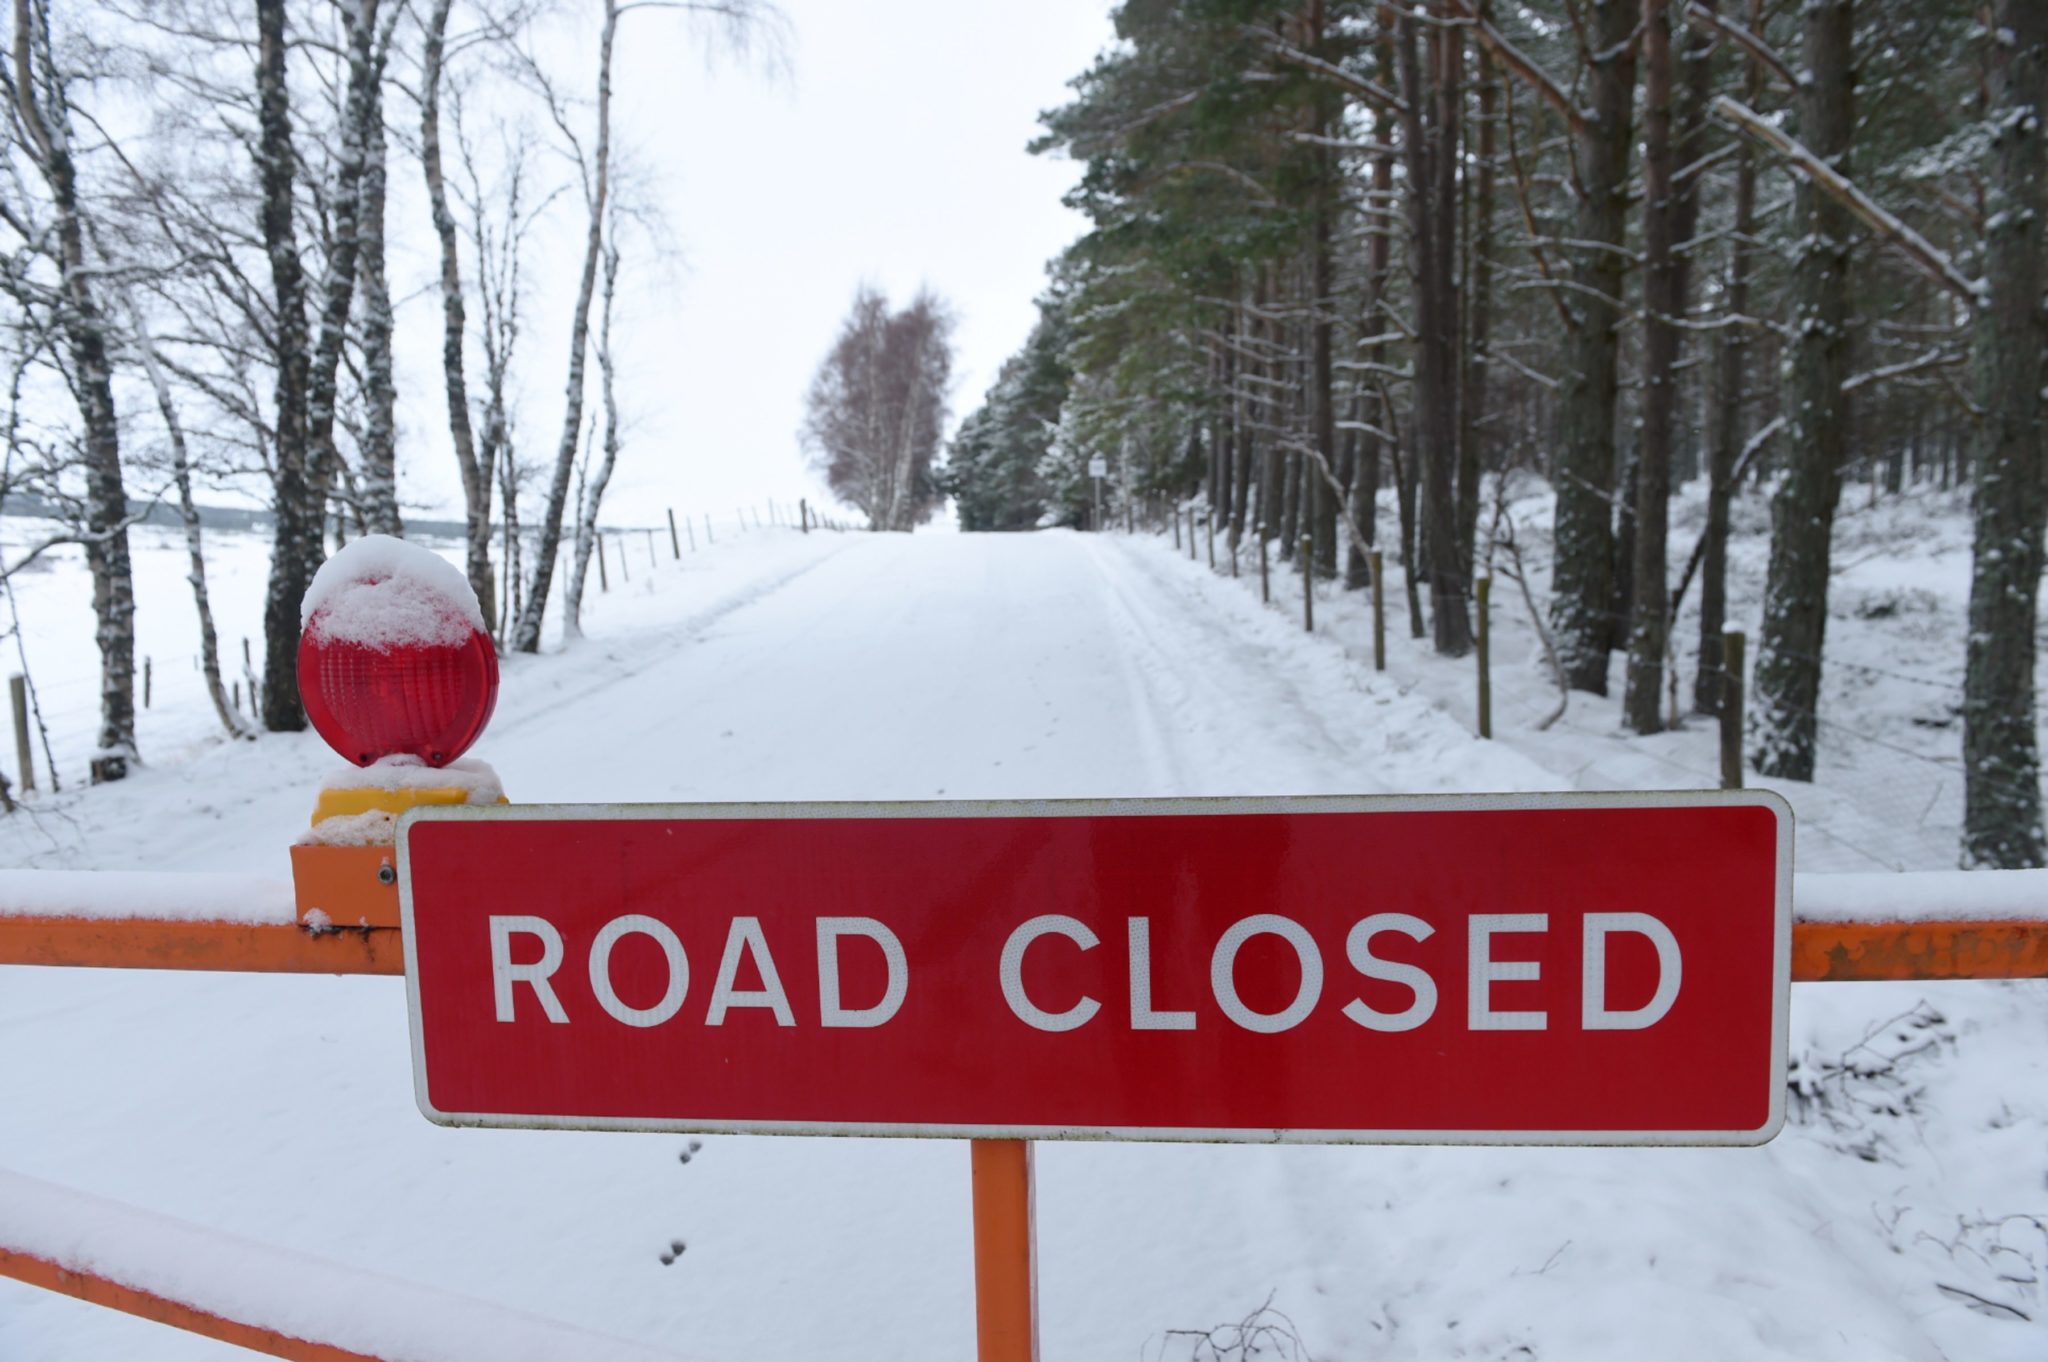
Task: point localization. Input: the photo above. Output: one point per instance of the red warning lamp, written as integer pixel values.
(393, 659)
(428, 700)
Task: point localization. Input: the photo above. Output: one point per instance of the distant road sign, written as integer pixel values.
(1603, 969)
(1098, 468)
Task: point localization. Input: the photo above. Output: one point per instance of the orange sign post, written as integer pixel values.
(1005, 1273)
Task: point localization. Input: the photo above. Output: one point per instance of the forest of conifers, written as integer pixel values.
(1341, 248)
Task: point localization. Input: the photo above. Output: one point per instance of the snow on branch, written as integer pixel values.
(1923, 254)
(1311, 139)
(1372, 92)
(1761, 52)
(1933, 359)
(1540, 379)
(1522, 64)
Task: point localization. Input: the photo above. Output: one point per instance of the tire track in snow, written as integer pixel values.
(1181, 655)
(1164, 770)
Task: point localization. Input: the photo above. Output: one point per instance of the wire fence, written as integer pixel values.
(46, 637)
(1889, 775)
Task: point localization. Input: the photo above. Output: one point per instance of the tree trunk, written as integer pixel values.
(188, 515)
(1663, 303)
(1430, 135)
(527, 639)
(1725, 437)
(380, 394)
(1404, 507)
(1262, 410)
(1322, 501)
(92, 383)
(1225, 441)
(1478, 299)
(1582, 582)
(1788, 664)
(593, 493)
(1365, 483)
(2002, 819)
(1241, 442)
(298, 514)
(476, 478)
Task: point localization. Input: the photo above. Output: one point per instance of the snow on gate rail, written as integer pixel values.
(258, 1296)
(1979, 924)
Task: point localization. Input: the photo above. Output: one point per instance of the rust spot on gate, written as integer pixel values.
(1858, 952)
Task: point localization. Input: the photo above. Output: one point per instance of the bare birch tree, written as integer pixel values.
(742, 23)
(876, 408)
(590, 495)
(40, 118)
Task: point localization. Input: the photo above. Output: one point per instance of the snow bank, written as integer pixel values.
(384, 593)
(291, 1293)
(182, 897)
(1922, 896)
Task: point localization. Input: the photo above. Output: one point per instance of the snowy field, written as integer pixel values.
(1902, 1215)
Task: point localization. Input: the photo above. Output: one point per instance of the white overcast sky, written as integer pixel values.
(891, 149)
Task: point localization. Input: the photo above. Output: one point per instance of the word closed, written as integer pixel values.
(1568, 969)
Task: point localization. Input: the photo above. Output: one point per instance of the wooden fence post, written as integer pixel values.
(652, 561)
(604, 581)
(675, 541)
(146, 670)
(1483, 589)
(1265, 578)
(1379, 613)
(625, 573)
(1734, 643)
(803, 513)
(17, 691)
(1308, 585)
(1176, 530)
(1209, 523)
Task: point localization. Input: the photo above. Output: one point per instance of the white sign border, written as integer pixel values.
(1781, 957)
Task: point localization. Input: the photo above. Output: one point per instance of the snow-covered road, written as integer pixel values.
(971, 666)
(903, 667)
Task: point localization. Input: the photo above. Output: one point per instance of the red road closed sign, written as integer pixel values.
(1605, 969)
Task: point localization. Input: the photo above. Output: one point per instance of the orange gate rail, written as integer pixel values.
(1833, 950)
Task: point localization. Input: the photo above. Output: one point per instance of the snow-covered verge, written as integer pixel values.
(1898, 1217)
(1888, 793)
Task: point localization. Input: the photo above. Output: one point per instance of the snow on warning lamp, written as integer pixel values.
(394, 659)
(399, 676)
